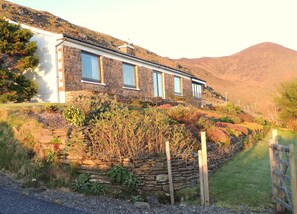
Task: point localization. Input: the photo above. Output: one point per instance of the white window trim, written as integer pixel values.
(181, 86)
(163, 83)
(135, 77)
(94, 83)
(100, 68)
(135, 89)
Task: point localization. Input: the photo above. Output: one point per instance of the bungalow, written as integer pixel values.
(69, 66)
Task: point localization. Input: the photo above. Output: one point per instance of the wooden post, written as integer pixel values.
(200, 161)
(272, 167)
(205, 168)
(274, 134)
(274, 178)
(293, 178)
(171, 191)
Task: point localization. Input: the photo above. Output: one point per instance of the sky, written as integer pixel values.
(183, 28)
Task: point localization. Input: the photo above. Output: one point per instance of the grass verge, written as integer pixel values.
(244, 182)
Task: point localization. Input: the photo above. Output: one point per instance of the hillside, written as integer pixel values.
(249, 77)
(47, 21)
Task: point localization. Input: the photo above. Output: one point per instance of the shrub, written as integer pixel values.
(286, 101)
(52, 108)
(226, 120)
(165, 106)
(205, 122)
(234, 129)
(81, 183)
(119, 174)
(93, 104)
(260, 120)
(246, 117)
(292, 124)
(184, 114)
(218, 135)
(229, 108)
(97, 189)
(74, 116)
(121, 132)
(17, 56)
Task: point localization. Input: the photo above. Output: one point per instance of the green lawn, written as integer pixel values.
(245, 180)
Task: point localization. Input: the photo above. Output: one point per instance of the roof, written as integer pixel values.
(194, 78)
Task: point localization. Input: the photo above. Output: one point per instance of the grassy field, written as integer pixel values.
(244, 182)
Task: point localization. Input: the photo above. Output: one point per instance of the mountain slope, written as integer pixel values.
(47, 21)
(251, 76)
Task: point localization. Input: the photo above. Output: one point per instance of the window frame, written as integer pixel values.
(135, 76)
(100, 79)
(160, 82)
(196, 90)
(180, 86)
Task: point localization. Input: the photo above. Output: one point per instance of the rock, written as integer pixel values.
(151, 199)
(142, 205)
(162, 178)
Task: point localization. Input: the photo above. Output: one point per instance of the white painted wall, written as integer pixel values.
(46, 74)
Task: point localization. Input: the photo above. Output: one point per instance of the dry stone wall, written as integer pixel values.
(152, 171)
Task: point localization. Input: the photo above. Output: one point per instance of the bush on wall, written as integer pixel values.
(117, 131)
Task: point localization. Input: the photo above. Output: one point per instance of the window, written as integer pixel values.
(129, 76)
(196, 90)
(90, 67)
(158, 84)
(177, 86)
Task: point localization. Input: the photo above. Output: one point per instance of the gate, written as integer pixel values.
(283, 175)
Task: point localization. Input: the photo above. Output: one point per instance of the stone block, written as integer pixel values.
(161, 178)
(142, 205)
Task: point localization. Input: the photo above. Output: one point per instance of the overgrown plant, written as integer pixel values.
(121, 175)
(82, 184)
(74, 116)
(123, 133)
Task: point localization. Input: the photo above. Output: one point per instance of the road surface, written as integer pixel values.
(14, 203)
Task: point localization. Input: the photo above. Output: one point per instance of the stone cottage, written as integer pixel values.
(70, 66)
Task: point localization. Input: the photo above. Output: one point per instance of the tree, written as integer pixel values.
(287, 103)
(16, 57)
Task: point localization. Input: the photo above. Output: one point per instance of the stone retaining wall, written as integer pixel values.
(152, 171)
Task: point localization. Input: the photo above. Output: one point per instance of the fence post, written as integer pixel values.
(274, 134)
(171, 191)
(205, 168)
(274, 178)
(293, 178)
(272, 167)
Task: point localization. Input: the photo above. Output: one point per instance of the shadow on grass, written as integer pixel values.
(28, 167)
(245, 180)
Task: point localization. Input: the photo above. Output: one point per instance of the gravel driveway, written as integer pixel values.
(14, 199)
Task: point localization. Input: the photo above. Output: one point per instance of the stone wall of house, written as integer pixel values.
(113, 79)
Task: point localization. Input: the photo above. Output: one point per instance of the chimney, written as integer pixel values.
(127, 48)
